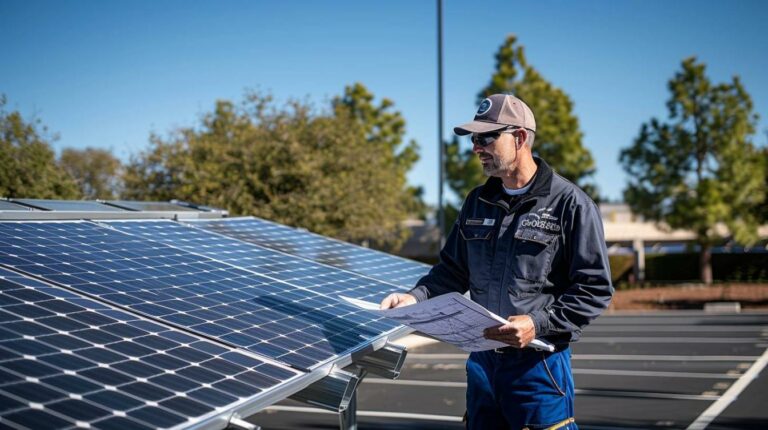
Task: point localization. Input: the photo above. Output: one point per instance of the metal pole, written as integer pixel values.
(348, 417)
(441, 146)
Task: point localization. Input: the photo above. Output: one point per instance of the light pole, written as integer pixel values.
(441, 170)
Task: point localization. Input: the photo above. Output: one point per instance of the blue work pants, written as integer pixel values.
(520, 388)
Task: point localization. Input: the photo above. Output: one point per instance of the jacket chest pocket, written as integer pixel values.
(533, 252)
(479, 241)
(476, 232)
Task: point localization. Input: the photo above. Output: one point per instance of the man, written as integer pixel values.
(529, 246)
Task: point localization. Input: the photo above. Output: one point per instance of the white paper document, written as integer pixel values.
(451, 318)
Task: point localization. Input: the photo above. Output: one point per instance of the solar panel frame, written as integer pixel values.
(203, 208)
(150, 206)
(5, 205)
(325, 250)
(69, 205)
(39, 320)
(89, 279)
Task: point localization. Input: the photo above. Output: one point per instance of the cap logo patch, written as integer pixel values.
(485, 106)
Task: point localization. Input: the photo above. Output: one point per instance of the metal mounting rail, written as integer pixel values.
(386, 361)
(332, 393)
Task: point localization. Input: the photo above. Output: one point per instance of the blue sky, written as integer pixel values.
(106, 74)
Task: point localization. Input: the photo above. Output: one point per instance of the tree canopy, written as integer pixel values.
(762, 210)
(96, 171)
(339, 172)
(558, 138)
(383, 126)
(28, 166)
(699, 167)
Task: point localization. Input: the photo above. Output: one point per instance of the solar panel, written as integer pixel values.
(8, 206)
(365, 261)
(319, 278)
(284, 321)
(69, 205)
(67, 361)
(150, 206)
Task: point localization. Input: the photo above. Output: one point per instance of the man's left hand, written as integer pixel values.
(518, 332)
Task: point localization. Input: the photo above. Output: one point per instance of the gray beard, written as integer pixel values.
(493, 168)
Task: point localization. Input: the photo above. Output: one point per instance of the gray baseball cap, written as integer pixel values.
(497, 112)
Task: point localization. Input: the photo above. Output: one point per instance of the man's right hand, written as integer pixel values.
(396, 300)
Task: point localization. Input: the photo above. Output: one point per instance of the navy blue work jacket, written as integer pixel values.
(545, 256)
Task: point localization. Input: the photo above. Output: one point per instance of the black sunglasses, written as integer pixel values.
(485, 139)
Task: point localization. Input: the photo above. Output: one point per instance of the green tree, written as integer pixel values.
(288, 163)
(96, 171)
(762, 210)
(156, 174)
(699, 168)
(28, 165)
(558, 137)
(385, 127)
(463, 172)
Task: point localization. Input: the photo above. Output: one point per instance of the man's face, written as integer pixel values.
(498, 158)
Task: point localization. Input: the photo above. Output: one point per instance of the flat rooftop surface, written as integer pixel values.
(666, 370)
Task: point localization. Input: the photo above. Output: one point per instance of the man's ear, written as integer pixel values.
(517, 138)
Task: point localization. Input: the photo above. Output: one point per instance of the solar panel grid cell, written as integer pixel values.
(375, 264)
(203, 295)
(66, 360)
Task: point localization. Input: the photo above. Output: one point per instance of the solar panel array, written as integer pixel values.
(302, 273)
(375, 264)
(210, 297)
(154, 323)
(66, 360)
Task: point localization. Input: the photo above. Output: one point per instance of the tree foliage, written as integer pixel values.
(463, 172)
(699, 167)
(28, 166)
(383, 126)
(96, 171)
(762, 210)
(337, 173)
(558, 137)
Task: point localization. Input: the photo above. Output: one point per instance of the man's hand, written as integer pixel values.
(396, 300)
(518, 332)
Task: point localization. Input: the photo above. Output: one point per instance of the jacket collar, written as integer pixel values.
(493, 192)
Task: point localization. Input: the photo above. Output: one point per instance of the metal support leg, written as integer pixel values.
(348, 417)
